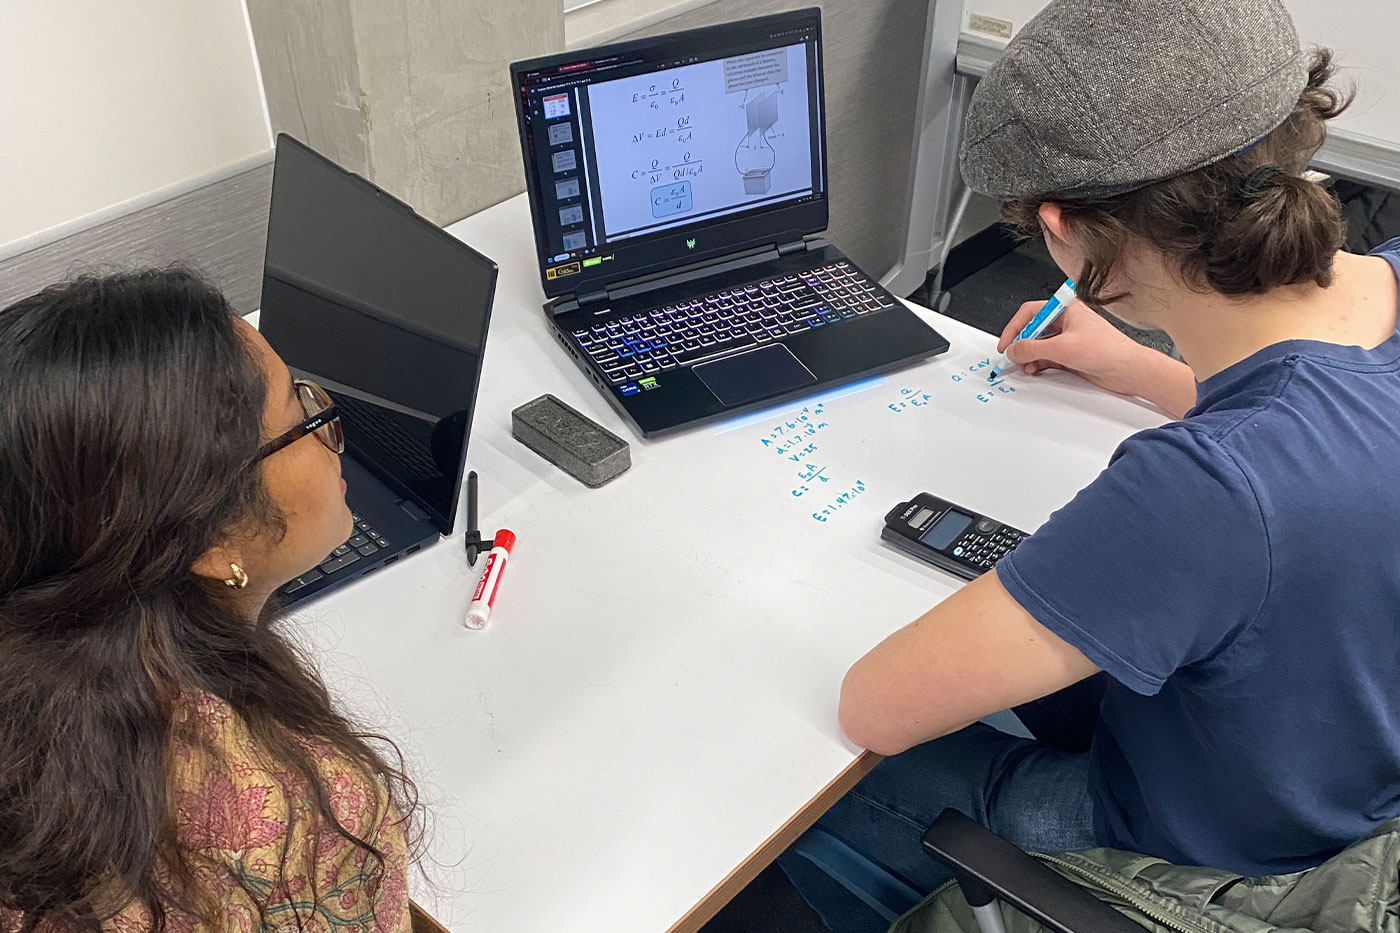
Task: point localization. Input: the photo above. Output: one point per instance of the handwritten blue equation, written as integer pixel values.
(793, 438)
(840, 502)
(973, 376)
(910, 398)
(796, 439)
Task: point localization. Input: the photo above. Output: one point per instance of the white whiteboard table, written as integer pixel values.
(655, 696)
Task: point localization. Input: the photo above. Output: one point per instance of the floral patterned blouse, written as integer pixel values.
(235, 820)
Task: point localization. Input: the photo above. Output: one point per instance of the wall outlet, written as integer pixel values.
(1001, 28)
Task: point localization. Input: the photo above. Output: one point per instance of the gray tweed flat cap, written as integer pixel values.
(1097, 97)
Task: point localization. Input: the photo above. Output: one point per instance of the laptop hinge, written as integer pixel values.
(614, 291)
(587, 298)
(561, 305)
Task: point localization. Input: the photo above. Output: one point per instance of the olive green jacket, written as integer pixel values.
(1356, 891)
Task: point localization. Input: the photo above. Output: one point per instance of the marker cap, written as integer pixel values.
(479, 612)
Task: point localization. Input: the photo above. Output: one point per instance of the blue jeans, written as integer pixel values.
(1027, 791)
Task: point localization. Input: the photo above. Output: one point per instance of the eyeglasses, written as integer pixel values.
(321, 419)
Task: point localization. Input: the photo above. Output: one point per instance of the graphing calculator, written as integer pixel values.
(949, 536)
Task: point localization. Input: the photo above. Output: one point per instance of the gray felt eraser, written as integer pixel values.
(570, 440)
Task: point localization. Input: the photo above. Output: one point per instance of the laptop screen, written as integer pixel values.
(652, 153)
(387, 312)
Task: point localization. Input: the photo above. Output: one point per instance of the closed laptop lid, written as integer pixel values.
(387, 312)
(650, 154)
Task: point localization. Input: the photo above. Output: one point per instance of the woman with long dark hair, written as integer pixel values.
(167, 759)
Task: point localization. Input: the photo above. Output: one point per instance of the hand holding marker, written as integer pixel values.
(1043, 318)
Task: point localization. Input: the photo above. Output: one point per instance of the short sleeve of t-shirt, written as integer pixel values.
(1156, 565)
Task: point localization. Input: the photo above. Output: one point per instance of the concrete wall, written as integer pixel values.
(413, 94)
(312, 76)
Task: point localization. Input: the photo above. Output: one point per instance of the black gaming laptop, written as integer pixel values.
(674, 183)
(388, 313)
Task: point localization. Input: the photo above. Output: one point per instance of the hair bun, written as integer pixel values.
(1254, 184)
(1286, 233)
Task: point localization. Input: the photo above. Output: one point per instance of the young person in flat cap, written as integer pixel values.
(1226, 593)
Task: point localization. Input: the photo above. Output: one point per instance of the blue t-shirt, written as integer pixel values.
(1237, 575)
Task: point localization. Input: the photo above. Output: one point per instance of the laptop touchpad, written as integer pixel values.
(769, 370)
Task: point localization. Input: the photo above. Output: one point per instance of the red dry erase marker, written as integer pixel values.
(480, 609)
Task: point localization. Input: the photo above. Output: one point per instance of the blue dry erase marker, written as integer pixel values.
(1043, 318)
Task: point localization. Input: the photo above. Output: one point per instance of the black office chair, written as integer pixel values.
(989, 869)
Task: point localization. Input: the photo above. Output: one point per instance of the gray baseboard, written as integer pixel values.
(220, 229)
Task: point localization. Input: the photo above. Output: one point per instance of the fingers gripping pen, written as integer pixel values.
(1036, 326)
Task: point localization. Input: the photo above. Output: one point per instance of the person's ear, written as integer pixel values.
(1052, 221)
(222, 563)
(1059, 239)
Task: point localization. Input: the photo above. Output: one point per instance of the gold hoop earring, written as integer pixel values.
(239, 580)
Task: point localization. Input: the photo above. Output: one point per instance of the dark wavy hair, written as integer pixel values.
(129, 407)
(1286, 234)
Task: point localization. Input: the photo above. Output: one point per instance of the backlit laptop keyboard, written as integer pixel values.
(694, 331)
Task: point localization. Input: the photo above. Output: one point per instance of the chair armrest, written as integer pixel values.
(982, 857)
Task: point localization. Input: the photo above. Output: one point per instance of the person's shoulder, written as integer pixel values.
(1162, 489)
(226, 780)
(214, 749)
(1186, 473)
(207, 733)
(1182, 451)
(228, 792)
(233, 795)
(1390, 249)
(1155, 564)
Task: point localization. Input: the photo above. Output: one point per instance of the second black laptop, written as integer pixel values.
(676, 184)
(388, 313)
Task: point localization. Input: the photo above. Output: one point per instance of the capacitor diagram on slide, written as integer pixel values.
(754, 157)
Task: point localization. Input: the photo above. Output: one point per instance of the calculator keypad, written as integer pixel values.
(984, 550)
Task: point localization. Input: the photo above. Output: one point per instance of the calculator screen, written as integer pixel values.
(946, 529)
